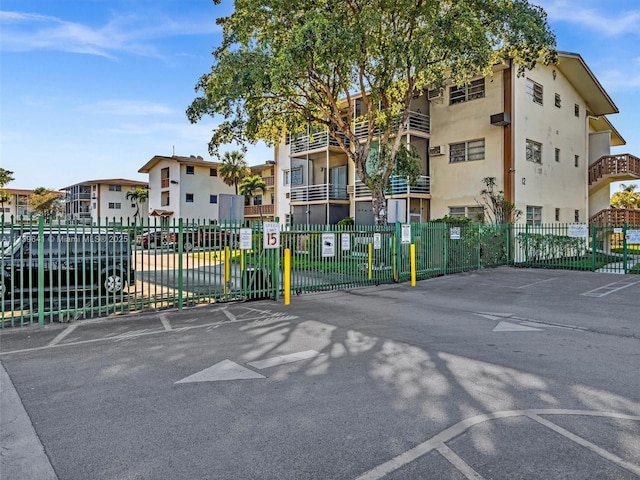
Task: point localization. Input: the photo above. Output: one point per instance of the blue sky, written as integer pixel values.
(93, 88)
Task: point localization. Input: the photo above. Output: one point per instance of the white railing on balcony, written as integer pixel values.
(320, 192)
(397, 186)
(417, 122)
(314, 141)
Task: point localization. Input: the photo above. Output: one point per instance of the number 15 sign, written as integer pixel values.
(271, 232)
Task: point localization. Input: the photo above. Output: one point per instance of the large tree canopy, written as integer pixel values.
(284, 66)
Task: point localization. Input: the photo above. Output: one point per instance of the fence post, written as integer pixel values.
(287, 276)
(445, 237)
(526, 244)
(624, 247)
(40, 270)
(593, 246)
(397, 254)
(180, 250)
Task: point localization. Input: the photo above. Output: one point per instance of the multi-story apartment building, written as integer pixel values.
(262, 203)
(544, 136)
(184, 187)
(17, 206)
(104, 201)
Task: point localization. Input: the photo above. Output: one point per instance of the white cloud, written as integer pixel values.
(124, 33)
(603, 21)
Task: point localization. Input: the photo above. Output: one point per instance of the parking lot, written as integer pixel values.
(498, 374)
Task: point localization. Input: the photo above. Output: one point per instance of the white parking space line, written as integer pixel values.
(459, 428)
(63, 334)
(228, 314)
(164, 319)
(284, 359)
(581, 441)
(462, 466)
(536, 283)
(609, 289)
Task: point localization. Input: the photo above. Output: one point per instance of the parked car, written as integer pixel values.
(155, 238)
(97, 262)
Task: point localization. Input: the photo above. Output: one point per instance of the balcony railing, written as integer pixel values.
(397, 186)
(620, 165)
(164, 183)
(254, 210)
(321, 192)
(616, 217)
(417, 122)
(315, 141)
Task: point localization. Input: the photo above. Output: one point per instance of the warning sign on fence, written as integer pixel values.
(633, 237)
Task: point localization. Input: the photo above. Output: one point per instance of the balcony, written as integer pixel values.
(397, 186)
(254, 210)
(416, 123)
(315, 141)
(268, 181)
(318, 193)
(616, 217)
(615, 167)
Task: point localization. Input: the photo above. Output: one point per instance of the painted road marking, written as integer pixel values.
(513, 327)
(228, 314)
(609, 289)
(450, 433)
(222, 371)
(164, 319)
(63, 334)
(581, 441)
(462, 466)
(284, 359)
(22, 454)
(536, 283)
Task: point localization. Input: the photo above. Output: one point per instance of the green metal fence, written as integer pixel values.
(53, 272)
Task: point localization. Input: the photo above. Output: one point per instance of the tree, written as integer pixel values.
(283, 69)
(138, 196)
(6, 176)
(234, 169)
(46, 203)
(250, 186)
(497, 209)
(626, 198)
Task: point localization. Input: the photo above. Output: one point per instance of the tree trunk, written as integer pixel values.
(379, 206)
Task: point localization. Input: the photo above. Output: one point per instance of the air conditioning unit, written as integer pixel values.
(437, 150)
(351, 189)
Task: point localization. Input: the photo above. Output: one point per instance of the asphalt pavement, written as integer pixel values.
(498, 374)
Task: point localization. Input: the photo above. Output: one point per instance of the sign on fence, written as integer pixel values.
(346, 242)
(245, 238)
(328, 245)
(377, 241)
(406, 233)
(271, 234)
(454, 233)
(633, 237)
(578, 231)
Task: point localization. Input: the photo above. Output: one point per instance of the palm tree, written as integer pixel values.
(138, 196)
(626, 198)
(234, 169)
(250, 186)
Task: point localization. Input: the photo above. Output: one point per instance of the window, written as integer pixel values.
(557, 154)
(133, 205)
(534, 90)
(286, 177)
(475, 212)
(190, 169)
(213, 172)
(466, 151)
(576, 110)
(115, 205)
(213, 198)
(164, 199)
(576, 160)
(272, 199)
(557, 214)
(115, 188)
(534, 151)
(558, 100)
(534, 215)
(188, 197)
(464, 93)
(576, 215)
(257, 200)
(94, 205)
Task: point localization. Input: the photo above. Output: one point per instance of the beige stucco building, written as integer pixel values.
(104, 202)
(544, 136)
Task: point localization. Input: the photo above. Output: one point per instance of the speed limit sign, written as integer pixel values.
(271, 232)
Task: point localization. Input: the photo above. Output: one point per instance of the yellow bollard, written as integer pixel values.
(370, 261)
(227, 267)
(287, 276)
(412, 249)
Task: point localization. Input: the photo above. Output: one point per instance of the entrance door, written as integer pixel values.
(338, 183)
